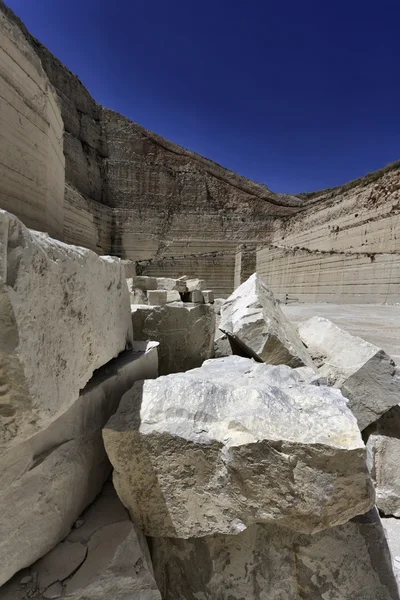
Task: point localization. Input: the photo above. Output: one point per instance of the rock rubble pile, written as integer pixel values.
(268, 473)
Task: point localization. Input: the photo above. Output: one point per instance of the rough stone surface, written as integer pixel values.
(265, 562)
(156, 297)
(208, 296)
(365, 374)
(252, 318)
(58, 305)
(185, 333)
(196, 296)
(50, 479)
(107, 558)
(195, 285)
(235, 442)
(383, 452)
(392, 531)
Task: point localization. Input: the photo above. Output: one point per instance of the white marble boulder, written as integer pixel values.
(185, 333)
(265, 562)
(104, 557)
(64, 312)
(364, 373)
(254, 321)
(47, 481)
(233, 443)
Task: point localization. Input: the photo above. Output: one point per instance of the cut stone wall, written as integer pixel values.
(31, 130)
(131, 193)
(309, 276)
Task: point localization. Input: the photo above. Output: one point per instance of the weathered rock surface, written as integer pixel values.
(218, 448)
(157, 297)
(106, 558)
(392, 532)
(58, 306)
(383, 455)
(50, 479)
(365, 374)
(252, 318)
(185, 333)
(265, 562)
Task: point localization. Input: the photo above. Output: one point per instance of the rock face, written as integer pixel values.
(392, 532)
(185, 333)
(253, 319)
(50, 479)
(271, 563)
(365, 374)
(232, 443)
(53, 302)
(383, 451)
(106, 557)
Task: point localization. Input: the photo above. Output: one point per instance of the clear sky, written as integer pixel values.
(298, 94)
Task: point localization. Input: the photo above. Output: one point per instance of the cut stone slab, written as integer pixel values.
(157, 297)
(364, 373)
(383, 452)
(196, 296)
(253, 320)
(351, 561)
(111, 560)
(235, 442)
(195, 284)
(185, 333)
(166, 283)
(49, 480)
(64, 312)
(208, 296)
(144, 283)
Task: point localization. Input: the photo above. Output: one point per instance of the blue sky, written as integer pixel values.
(300, 95)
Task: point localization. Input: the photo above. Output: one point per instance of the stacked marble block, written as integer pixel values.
(177, 313)
(157, 291)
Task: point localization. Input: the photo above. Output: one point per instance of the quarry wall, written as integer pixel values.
(31, 149)
(92, 177)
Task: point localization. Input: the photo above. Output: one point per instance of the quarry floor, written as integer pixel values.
(378, 324)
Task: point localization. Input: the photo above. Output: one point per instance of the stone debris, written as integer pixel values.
(364, 373)
(208, 296)
(49, 480)
(351, 561)
(54, 299)
(163, 296)
(217, 437)
(254, 321)
(163, 290)
(185, 332)
(106, 558)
